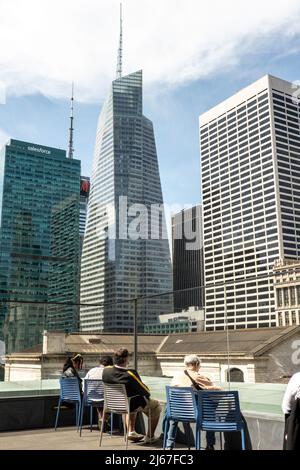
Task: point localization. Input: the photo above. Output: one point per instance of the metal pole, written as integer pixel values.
(135, 336)
(227, 337)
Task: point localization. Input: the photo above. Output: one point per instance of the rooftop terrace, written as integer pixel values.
(68, 439)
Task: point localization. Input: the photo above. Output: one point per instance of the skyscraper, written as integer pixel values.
(39, 242)
(118, 265)
(84, 198)
(188, 267)
(250, 157)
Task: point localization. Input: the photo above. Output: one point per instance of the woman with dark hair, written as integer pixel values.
(71, 367)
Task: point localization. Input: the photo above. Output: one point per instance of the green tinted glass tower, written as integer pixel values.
(39, 242)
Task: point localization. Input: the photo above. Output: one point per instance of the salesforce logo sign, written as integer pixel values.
(39, 150)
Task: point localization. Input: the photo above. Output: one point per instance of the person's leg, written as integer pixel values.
(152, 410)
(130, 423)
(173, 425)
(210, 439)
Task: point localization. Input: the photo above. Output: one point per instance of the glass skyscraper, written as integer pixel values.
(119, 264)
(250, 155)
(39, 242)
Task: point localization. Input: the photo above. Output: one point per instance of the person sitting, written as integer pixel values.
(140, 393)
(190, 377)
(291, 410)
(71, 367)
(96, 374)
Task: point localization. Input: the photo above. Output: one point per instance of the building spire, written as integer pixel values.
(120, 50)
(71, 129)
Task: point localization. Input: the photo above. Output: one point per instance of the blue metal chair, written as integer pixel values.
(181, 407)
(93, 397)
(69, 393)
(219, 411)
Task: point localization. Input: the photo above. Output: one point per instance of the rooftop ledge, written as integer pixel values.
(262, 398)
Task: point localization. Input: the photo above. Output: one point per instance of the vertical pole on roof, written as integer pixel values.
(135, 336)
(227, 337)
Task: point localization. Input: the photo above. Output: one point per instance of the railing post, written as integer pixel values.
(135, 336)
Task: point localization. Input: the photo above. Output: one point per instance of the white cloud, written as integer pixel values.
(47, 44)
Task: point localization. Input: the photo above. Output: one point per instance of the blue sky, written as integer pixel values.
(36, 110)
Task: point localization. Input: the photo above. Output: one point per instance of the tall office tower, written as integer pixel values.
(250, 152)
(84, 198)
(39, 242)
(188, 267)
(118, 263)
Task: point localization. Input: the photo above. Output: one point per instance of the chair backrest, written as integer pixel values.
(219, 408)
(69, 389)
(93, 391)
(181, 403)
(115, 398)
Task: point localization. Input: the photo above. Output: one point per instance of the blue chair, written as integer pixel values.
(69, 393)
(181, 407)
(93, 397)
(219, 411)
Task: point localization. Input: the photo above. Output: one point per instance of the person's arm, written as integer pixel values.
(139, 384)
(290, 393)
(68, 372)
(206, 384)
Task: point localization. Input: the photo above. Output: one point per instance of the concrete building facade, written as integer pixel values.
(250, 149)
(265, 355)
(287, 292)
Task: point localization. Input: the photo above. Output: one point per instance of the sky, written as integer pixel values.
(193, 54)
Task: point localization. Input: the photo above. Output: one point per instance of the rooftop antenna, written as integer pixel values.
(71, 129)
(120, 50)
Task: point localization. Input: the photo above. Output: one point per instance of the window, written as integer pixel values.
(293, 296)
(279, 297)
(234, 375)
(286, 296)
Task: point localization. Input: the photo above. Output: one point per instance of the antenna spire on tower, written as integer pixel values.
(120, 50)
(71, 129)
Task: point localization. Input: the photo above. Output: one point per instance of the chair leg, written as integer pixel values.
(243, 439)
(91, 418)
(111, 423)
(126, 428)
(198, 439)
(77, 416)
(57, 414)
(80, 418)
(221, 441)
(102, 427)
(166, 429)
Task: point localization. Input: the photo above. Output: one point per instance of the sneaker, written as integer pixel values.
(135, 437)
(209, 448)
(151, 440)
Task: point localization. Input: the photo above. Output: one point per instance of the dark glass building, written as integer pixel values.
(39, 242)
(120, 263)
(188, 267)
